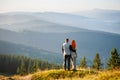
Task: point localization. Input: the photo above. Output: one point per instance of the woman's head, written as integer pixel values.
(73, 43)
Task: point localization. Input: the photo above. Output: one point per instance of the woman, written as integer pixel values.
(73, 54)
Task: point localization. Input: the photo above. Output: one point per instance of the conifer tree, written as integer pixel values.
(83, 63)
(12, 64)
(96, 62)
(18, 70)
(29, 66)
(114, 60)
(22, 68)
(35, 66)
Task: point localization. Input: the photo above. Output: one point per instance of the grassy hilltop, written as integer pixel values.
(77, 75)
(68, 75)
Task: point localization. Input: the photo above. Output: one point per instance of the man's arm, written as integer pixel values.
(70, 47)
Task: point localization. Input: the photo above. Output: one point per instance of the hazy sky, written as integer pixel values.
(57, 5)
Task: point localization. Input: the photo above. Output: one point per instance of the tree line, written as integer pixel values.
(14, 64)
(112, 63)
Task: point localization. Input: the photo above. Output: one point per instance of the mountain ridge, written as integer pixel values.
(88, 42)
(38, 32)
(108, 22)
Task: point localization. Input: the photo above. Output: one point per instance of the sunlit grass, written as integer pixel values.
(82, 74)
(61, 74)
(109, 75)
(76, 75)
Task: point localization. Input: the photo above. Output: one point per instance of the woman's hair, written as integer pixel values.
(73, 44)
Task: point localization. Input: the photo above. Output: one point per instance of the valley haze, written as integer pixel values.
(95, 31)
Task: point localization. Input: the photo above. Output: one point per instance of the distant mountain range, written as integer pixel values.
(88, 42)
(44, 33)
(97, 19)
(104, 14)
(21, 23)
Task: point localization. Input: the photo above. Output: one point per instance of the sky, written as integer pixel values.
(57, 5)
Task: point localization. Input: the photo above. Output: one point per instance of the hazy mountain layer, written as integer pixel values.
(47, 31)
(97, 19)
(88, 42)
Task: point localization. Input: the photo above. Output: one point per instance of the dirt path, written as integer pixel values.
(28, 77)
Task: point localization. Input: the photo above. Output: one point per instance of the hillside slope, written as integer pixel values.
(77, 75)
(17, 49)
(88, 42)
(68, 75)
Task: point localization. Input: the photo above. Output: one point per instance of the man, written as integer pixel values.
(66, 54)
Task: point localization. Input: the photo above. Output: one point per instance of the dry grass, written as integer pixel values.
(77, 75)
(109, 75)
(83, 74)
(16, 77)
(62, 75)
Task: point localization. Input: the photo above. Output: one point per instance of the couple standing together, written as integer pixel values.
(69, 54)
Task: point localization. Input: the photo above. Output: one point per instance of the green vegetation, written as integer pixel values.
(83, 63)
(96, 62)
(114, 60)
(29, 51)
(22, 65)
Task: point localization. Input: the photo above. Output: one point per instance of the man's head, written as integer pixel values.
(67, 40)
